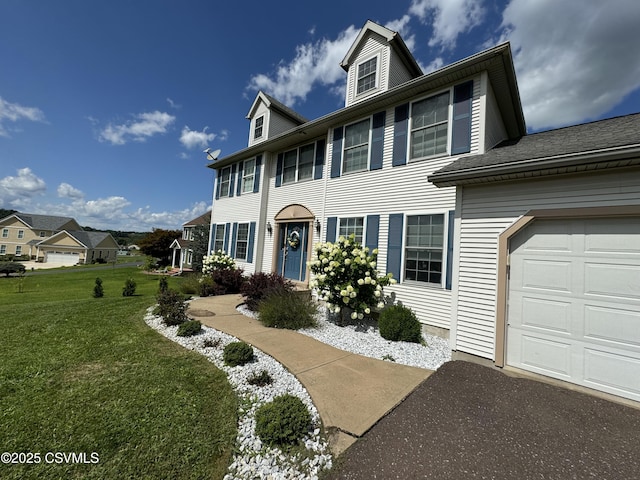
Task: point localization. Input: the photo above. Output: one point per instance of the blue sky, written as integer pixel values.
(106, 107)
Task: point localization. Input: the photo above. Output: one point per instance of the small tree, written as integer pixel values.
(347, 279)
(199, 246)
(98, 290)
(11, 267)
(129, 288)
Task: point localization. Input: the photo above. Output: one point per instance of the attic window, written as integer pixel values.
(257, 131)
(367, 75)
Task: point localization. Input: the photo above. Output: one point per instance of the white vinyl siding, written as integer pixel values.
(352, 225)
(356, 146)
(488, 211)
(373, 46)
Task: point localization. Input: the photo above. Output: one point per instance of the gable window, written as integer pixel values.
(5, 233)
(225, 181)
(218, 239)
(429, 126)
(257, 131)
(367, 72)
(356, 147)
(20, 233)
(43, 234)
(351, 225)
(242, 241)
(248, 175)
(424, 248)
(298, 164)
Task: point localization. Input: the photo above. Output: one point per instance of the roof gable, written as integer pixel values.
(275, 105)
(204, 219)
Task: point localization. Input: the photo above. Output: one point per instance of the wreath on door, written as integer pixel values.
(293, 239)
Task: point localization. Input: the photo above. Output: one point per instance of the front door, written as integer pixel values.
(292, 254)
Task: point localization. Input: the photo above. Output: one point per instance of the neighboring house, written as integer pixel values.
(181, 247)
(380, 168)
(47, 238)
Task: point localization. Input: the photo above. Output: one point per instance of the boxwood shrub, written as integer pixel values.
(237, 353)
(399, 323)
(284, 421)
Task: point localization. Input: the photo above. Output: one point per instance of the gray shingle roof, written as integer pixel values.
(533, 152)
(286, 110)
(44, 222)
(89, 239)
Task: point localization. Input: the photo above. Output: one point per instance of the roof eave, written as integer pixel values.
(595, 159)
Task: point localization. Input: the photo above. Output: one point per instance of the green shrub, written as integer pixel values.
(163, 284)
(11, 267)
(284, 421)
(287, 309)
(189, 328)
(237, 353)
(129, 288)
(260, 285)
(227, 281)
(399, 323)
(189, 284)
(206, 286)
(98, 290)
(261, 379)
(171, 307)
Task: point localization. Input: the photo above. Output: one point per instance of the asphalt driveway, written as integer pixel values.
(467, 421)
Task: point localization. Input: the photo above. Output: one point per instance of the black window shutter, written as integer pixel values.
(332, 223)
(400, 128)
(394, 245)
(232, 179)
(377, 140)
(447, 282)
(256, 178)
(240, 168)
(336, 154)
(319, 161)
(225, 246)
(373, 227)
(234, 235)
(218, 171)
(461, 128)
(279, 166)
(252, 232)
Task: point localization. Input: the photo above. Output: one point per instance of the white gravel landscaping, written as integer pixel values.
(253, 460)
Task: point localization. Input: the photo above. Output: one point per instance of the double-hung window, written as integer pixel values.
(257, 130)
(298, 164)
(429, 126)
(367, 73)
(424, 244)
(18, 249)
(248, 174)
(5, 233)
(218, 239)
(225, 181)
(242, 241)
(3, 249)
(352, 225)
(20, 233)
(356, 147)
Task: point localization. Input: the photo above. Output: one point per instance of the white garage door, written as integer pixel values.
(62, 258)
(574, 302)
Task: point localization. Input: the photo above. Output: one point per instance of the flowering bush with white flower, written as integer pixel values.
(217, 261)
(346, 277)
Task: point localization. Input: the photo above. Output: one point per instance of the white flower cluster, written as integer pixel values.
(345, 276)
(217, 261)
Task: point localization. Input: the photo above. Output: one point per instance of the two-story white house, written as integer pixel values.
(363, 169)
(437, 171)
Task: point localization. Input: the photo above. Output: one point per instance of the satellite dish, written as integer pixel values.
(212, 155)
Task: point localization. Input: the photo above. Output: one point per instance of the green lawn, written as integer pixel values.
(80, 374)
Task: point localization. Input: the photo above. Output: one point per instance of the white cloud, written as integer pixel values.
(195, 139)
(19, 190)
(314, 63)
(580, 65)
(67, 191)
(173, 104)
(448, 18)
(14, 112)
(143, 127)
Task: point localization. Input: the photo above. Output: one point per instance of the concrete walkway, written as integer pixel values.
(351, 392)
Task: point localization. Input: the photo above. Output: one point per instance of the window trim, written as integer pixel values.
(444, 250)
(354, 217)
(376, 74)
(5, 233)
(3, 249)
(237, 242)
(43, 234)
(223, 182)
(297, 175)
(18, 249)
(215, 237)
(20, 234)
(345, 148)
(246, 176)
(449, 122)
(260, 127)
